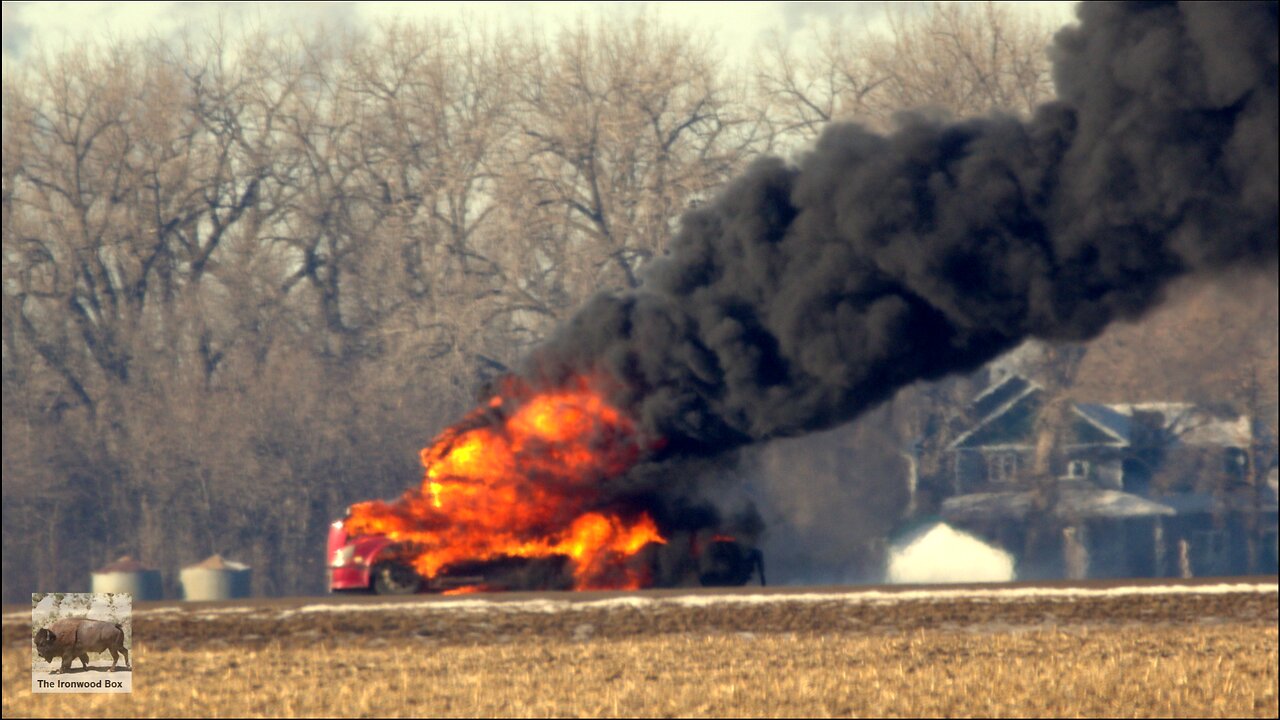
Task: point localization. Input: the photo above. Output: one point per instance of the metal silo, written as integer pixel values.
(127, 575)
(215, 579)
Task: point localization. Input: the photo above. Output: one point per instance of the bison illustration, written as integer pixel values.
(72, 638)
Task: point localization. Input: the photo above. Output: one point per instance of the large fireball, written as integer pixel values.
(523, 477)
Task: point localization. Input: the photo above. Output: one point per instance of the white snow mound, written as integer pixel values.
(942, 554)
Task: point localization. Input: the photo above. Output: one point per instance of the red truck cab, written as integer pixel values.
(351, 560)
(374, 562)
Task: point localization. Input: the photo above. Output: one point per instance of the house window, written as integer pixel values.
(1078, 469)
(1002, 468)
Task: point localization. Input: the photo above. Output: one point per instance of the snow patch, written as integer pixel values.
(942, 554)
(852, 598)
(994, 594)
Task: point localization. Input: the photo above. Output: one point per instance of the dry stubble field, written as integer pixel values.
(1188, 656)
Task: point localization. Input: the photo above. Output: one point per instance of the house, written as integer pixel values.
(1134, 489)
(1123, 446)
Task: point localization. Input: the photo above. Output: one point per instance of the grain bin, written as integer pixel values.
(215, 579)
(127, 575)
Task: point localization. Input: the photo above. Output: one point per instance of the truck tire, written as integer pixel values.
(391, 577)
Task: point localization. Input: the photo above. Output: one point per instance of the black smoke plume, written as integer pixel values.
(805, 294)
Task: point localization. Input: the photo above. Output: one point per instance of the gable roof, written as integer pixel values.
(1112, 428)
(998, 394)
(992, 403)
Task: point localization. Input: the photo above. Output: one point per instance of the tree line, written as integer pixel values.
(246, 278)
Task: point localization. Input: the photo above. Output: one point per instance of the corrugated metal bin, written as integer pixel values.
(215, 579)
(127, 575)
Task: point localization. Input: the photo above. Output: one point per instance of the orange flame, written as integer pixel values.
(521, 477)
(466, 590)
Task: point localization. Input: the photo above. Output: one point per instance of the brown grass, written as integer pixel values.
(1188, 671)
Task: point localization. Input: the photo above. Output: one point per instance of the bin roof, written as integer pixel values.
(217, 562)
(124, 564)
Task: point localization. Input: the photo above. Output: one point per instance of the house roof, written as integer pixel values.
(1098, 424)
(994, 402)
(999, 394)
(1112, 424)
(1185, 424)
(1011, 423)
(1073, 502)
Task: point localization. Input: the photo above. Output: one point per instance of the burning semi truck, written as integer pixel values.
(523, 494)
(381, 564)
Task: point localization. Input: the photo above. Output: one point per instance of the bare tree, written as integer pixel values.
(435, 103)
(245, 278)
(624, 127)
(967, 59)
(831, 79)
(960, 58)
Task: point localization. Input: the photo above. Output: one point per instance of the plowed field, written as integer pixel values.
(1188, 652)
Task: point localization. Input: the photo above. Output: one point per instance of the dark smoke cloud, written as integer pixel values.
(805, 294)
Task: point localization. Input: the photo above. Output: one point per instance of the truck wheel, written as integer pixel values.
(395, 578)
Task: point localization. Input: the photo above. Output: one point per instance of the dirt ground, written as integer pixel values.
(1154, 655)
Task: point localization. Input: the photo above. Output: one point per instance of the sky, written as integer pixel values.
(738, 26)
